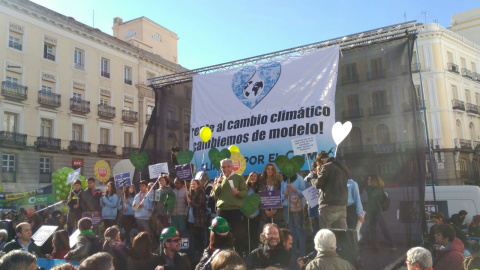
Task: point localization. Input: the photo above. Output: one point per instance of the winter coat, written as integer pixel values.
(223, 191)
(262, 258)
(180, 208)
(166, 202)
(198, 201)
(128, 203)
(143, 264)
(90, 200)
(75, 197)
(110, 206)
(14, 245)
(145, 212)
(181, 262)
(374, 199)
(451, 257)
(332, 180)
(83, 248)
(329, 260)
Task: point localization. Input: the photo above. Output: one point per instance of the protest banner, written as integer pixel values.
(122, 180)
(270, 199)
(156, 170)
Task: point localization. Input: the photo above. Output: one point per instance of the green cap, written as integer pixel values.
(169, 232)
(220, 226)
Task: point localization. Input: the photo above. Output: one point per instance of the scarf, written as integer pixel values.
(87, 232)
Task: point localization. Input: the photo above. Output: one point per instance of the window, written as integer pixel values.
(104, 101)
(77, 132)
(12, 82)
(463, 62)
(46, 127)
(454, 92)
(474, 67)
(156, 36)
(49, 51)
(355, 137)
(104, 132)
(382, 134)
(79, 59)
(77, 96)
(462, 164)
(450, 57)
(352, 103)
(105, 67)
(384, 168)
(10, 122)
(376, 68)
(127, 138)
(127, 72)
(379, 99)
(14, 42)
(150, 108)
(44, 164)
(46, 89)
(15, 36)
(130, 33)
(8, 163)
(477, 99)
(351, 72)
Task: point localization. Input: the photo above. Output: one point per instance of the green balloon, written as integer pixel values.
(62, 177)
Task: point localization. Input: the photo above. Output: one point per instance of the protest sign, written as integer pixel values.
(73, 238)
(304, 145)
(156, 170)
(42, 234)
(311, 195)
(270, 199)
(122, 180)
(184, 172)
(96, 218)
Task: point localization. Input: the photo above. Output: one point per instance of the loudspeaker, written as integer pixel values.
(347, 245)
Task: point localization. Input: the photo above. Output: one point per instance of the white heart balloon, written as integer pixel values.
(340, 132)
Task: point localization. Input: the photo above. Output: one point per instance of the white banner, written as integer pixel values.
(73, 176)
(261, 108)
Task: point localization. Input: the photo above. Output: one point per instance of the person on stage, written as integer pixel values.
(143, 208)
(74, 206)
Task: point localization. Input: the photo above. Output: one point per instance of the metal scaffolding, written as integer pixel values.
(346, 42)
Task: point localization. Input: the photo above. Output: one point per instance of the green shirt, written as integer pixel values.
(223, 191)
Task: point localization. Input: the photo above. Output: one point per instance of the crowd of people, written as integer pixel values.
(142, 230)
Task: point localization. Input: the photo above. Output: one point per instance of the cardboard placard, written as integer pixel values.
(156, 170)
(122, 180)
(43, 233)
(184, 172)
(311, 195)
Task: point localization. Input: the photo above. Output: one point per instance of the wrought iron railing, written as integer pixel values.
(105, 74)
(129, 116)
(353, 114)
(79, 66)
(129, 82)
(49, 56)
(453, 68)
(13, 138)
(106, 111)
(79, 146)
(107, 149)
(379, 110)
(458, 105)
(45, 178)
(466, 73)
(79, 105)
(49, 98)
(472, 108)
(48, 143)
(126, 151)
(377, 74)
(14, 90)
(172, 124)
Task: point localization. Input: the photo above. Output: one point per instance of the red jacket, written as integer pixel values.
(450, 258)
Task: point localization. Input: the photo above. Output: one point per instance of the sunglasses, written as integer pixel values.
(176, 240)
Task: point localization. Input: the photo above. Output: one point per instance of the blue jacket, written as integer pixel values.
(129, 211)
(298, 184)
(146, 211)
(354, 196)
(110, 206)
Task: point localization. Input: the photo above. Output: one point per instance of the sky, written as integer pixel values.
(217, 31)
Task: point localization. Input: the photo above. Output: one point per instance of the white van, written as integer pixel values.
(451, 199)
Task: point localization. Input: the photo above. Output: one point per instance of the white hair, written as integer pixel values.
(325, 240)
(227, 161)
(421, 256)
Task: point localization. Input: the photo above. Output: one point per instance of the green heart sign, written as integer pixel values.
(291, 166)
(139, 161)
(184, 157)
(250, 204)
(216, 156)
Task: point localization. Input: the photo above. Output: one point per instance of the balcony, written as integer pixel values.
(453, 68)
(417, 67)
(106, 111)
(105, 74)
(45, 178)
(79, 105)
(49, 99)
(107, 150)
(352, 114)
(14, 90)
(8, 177)
(127, 81)
(49, 56)
(79, 147)
(376, 74)
(383, 148)
(458, 105)
(466, 73)
(172, 124)
(14, 139)
(408, 107)
(15, 45)
(186, 127)
(463, 143)
(379, 110)
(476, 76)
(129, 116)
(79, 66)
(352, 78)
(47, 143)
(472, 108)
(126, 151)
(147, 118)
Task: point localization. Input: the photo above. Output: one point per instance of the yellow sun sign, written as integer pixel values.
(102, 171)
(239, 163)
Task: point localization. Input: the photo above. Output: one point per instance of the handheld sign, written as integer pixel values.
(156, 170)
(311, 195)
(42, 234)
(270, 199)
(184, 172)
(304, 145)
(123, 180)
(96, 218)
(73, 238)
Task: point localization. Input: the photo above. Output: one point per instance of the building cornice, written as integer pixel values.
(171, 33)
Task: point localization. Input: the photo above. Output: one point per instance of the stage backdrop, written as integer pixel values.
(261, 108)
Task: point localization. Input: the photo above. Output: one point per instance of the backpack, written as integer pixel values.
(385, 202)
